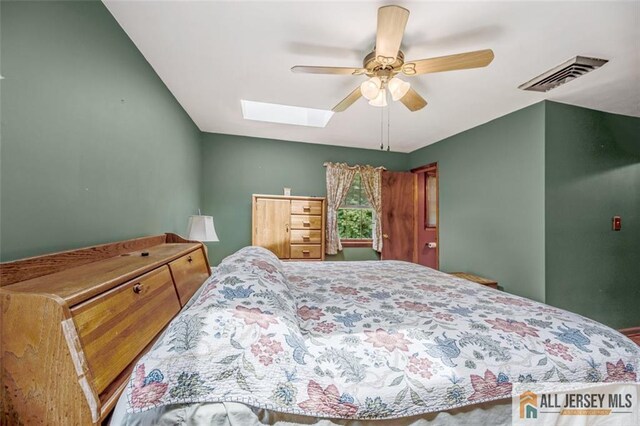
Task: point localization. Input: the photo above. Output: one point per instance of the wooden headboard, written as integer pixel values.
(74, 323)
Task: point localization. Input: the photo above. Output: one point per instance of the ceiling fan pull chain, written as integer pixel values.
(381, 129)
(388, 126)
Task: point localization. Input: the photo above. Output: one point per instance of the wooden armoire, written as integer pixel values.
(292, 227)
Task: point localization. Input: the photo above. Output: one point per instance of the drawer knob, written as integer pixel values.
(137, 289)
(189, 259)
(306, 209)
(306, 223)
(305, 252)
(305, 237)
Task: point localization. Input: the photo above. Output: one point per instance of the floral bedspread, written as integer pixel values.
(365, 340)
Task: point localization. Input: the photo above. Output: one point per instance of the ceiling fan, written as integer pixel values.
(387, 61)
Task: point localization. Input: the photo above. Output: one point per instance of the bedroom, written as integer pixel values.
(104, 138)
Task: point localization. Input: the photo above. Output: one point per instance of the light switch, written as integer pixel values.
(617, 223)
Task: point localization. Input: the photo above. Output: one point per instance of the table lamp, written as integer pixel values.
(201, 228)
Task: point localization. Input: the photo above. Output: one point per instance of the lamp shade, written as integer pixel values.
(371, 88)
(398, 88)
(380, 100)
(201, 229)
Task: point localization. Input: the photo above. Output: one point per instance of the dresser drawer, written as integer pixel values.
(306, 251)
(189, 272)
(303, 236)
(306, 207)
(115, 326)
(306, 222)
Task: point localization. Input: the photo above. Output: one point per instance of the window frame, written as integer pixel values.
(357, 242)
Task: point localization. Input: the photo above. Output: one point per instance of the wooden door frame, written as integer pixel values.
(424, 169)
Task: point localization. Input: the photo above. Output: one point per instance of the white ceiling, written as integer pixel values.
(213, 54)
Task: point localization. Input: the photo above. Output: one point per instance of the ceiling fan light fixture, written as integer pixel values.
(387, 60)
(380, 100)
(398, 88)
(371, 88)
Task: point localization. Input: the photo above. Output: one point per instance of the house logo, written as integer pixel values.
(528, 405)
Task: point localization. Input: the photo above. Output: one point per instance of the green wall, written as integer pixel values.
(492, 200)
(94, 147)
(527, 199)
(234, 167)
(592, 164)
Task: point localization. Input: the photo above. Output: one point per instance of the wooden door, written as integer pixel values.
(427, 237)
(271, 225)
(398, 216)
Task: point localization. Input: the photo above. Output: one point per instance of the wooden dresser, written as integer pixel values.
(291, 227)
(74, 323)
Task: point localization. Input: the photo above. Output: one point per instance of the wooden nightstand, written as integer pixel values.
(476, 279)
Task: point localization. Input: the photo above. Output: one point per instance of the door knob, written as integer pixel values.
(385, 236)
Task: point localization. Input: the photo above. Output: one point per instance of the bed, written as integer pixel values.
(347, 342)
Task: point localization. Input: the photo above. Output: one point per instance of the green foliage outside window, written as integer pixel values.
(355, 216)
(355, 223)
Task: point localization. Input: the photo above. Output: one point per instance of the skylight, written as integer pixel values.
(285, 114)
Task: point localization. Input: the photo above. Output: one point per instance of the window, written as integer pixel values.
(285, 114)
(355, 217)
(431, 199)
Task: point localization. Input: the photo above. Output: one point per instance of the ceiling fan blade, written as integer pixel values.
(461, 61)
(327, 70)
(391, 23)
(413, 100)
(348, 101)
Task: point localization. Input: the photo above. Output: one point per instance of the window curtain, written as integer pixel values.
(371, 179)
(339, 178)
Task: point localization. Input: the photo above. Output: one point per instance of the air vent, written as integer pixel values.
(563, 73)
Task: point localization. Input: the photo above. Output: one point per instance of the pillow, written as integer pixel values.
(254, 252)
(253, 277)
(260, 262)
